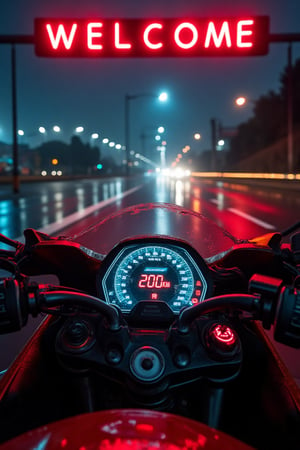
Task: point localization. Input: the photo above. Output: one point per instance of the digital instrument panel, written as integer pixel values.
(154, 270)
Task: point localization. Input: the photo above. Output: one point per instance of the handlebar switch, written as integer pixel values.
(287, 323)
(268, 288)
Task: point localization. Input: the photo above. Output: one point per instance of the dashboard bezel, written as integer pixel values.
(152, 240)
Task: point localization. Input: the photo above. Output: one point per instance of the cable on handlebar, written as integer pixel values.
(244, 302)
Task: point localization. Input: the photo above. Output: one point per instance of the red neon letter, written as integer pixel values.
(241, 33)
(92, 34)
(194, 39)
(117, 38)
(211, 33)
(146, 36)
(61, 35)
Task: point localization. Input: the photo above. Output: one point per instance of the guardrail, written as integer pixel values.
(248, 175)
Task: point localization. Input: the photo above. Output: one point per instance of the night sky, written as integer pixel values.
(91, 93)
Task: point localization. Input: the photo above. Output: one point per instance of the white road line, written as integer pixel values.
(253, 219)
(246, 216)
(72, 218)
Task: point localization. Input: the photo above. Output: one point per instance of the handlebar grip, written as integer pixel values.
(287, 323)
(13, 314)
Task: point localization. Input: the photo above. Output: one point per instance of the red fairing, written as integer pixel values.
(126, 429)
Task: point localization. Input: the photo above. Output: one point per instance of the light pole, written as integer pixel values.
(162, 97)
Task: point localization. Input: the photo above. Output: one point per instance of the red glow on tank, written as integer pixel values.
(144, 427)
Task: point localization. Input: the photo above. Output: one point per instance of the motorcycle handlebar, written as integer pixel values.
(271, 303)
(18, 300)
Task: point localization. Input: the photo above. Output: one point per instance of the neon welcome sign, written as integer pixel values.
(245, 36)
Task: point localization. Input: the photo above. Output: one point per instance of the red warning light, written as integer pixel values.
(143, 37)
(224, 334)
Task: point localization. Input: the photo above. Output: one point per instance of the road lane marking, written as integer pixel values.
(253, 219)
(75, 217)
(246, 216)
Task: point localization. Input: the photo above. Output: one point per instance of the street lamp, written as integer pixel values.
(162, 97)
(240, 101)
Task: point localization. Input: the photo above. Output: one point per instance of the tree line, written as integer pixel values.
(268, 125)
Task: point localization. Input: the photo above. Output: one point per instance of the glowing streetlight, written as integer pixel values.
(160, 130)
(118, 146)
(240, 101)
(42, 130)
(105, 141)
(95, 136)
(56, 129)
(21, 132)
(163, 97)
(111, 144)
(197, 136)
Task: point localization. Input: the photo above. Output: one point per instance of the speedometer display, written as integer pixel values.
(154, 272)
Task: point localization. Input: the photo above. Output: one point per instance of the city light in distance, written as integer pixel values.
(42, 130)
(21, 132)
(95, 136)
(197, 136)
(105, 141)
(79, 129)
(56, 129)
